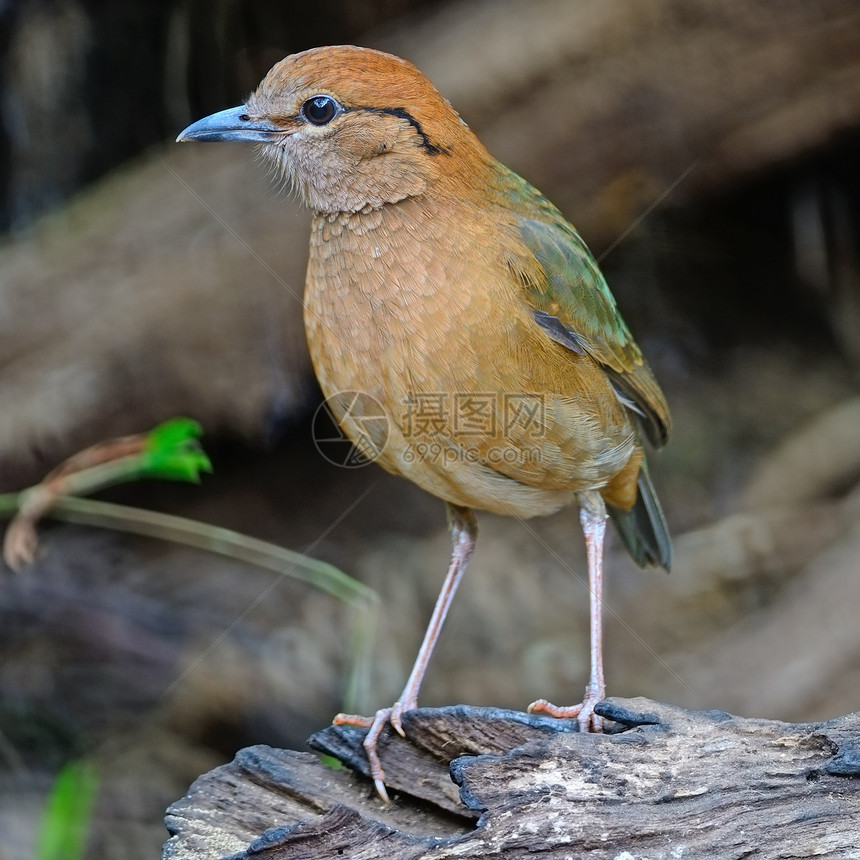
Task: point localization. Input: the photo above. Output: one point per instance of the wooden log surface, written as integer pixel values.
(479, 782)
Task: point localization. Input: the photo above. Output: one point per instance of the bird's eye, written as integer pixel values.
(320, 110)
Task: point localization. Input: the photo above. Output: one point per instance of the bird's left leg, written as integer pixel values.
(592, 516)
(463, 526)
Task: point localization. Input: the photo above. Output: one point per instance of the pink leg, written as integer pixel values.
(464, 530)
(592, 515)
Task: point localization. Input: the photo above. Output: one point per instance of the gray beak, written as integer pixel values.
(232, 124)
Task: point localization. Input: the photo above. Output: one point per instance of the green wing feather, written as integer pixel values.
(574, 306)
(567, 286)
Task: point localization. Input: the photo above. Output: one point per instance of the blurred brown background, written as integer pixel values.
(707, 151)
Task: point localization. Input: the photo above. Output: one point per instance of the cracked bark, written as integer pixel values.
(478, 782)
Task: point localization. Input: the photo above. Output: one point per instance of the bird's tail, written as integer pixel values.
(643, 528)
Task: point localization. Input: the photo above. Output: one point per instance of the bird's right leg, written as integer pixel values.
(592, 516)
(463, 527)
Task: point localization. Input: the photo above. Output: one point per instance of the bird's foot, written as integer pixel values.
(584, 713)
(376, 724)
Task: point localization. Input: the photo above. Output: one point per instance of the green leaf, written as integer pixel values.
(173, 451)
(68, 811)
(174, 432)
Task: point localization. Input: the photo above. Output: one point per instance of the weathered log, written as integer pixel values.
(669, 783)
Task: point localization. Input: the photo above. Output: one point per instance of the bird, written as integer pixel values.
(446, 291)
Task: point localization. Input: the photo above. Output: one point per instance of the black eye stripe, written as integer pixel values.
(401, 113)
(322, 109)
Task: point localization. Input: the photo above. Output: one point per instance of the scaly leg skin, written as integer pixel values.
(463, 527)
(592, 515)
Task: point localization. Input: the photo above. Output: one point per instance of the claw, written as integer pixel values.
(584, 713)
(398, 709)
(375, 726)
(376, 772)
(353, 720)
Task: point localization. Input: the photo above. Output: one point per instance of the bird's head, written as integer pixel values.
(351, 127)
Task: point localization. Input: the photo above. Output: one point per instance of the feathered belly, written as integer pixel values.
(480, 409)
(495, 441)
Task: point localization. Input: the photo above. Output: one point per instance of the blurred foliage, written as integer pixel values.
(68, 812)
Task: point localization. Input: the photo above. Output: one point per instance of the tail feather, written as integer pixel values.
(643, 528)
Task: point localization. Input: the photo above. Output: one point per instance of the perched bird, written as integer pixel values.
(444, 288)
